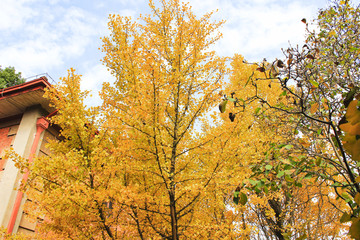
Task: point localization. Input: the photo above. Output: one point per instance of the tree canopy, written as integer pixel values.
(319, 95)
(9, 77)
(157, 160)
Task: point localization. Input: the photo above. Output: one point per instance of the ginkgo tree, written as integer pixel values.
(143, 165)
(167, 80)
(70, 187)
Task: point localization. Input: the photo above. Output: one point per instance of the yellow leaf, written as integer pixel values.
(304, 143)
(357, 179)
(332, 33)
(353, 147)
(353, 129)
(314, 108)
(354, 230)
(325, 104)
(357, 199)
(353, 113)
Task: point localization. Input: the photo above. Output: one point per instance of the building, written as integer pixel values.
(25, 128)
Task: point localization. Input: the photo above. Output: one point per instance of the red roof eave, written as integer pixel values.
(33, 85)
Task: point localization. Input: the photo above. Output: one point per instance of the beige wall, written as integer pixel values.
(25, 223)
(11, 176)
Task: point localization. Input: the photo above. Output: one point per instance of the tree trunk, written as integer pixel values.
(174, 230)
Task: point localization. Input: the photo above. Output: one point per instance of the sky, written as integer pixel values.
(51, 36)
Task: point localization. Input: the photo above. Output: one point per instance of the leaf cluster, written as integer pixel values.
(9, 77)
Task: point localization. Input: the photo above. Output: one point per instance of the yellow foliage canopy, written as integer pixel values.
(352, 130)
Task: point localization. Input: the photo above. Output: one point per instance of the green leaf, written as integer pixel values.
(346, 217)
(243, 198)
(249, 79)
(314, 83)
(288, 168)
(236, 197)
(283, 93)
(302, 237)
(353, 49)
(231, 99)
(288, 147)
(266, 190)
(308, 176)
(280, 174)
(260, 184)
(336, 184)
(268, 167)
(236, 194)
(287, 236)
(257, 110)
(289, 179)
(346, 196)
(253, 182)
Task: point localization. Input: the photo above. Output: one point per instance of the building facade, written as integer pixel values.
(25, 128)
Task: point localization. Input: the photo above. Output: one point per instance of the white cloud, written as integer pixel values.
(52, 36)
(30, 60)
(54, 2)
(93, 79)
(13, 14)
(258, 28)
